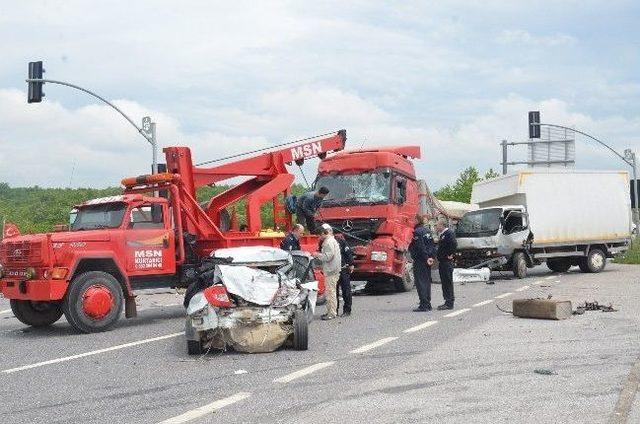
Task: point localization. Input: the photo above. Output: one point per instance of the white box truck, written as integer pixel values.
(560, 217)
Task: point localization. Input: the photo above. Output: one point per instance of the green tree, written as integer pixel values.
(460, 190)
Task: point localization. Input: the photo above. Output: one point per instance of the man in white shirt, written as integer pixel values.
(331, 260)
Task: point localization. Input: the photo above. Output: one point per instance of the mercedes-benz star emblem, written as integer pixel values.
(347, 225)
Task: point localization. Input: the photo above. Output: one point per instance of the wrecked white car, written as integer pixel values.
(252, 299)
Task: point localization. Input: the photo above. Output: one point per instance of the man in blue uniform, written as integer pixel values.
(307, 205)
(422, 251)
(292, 240)
(344, 282)
(447, 246)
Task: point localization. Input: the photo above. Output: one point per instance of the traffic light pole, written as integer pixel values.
(150, 135)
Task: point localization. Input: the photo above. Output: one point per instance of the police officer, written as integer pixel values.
(422, 251)
(344, 282)
(292, 240)
(447, 246)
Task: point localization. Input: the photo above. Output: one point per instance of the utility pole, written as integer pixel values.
(35, 83)
(631, 159)
(504, 157)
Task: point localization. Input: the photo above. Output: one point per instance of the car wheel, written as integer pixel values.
(558, 265)
(93, 302)
(194, 347)
(594, 262)
(519, 265)
(407, 282)
(36, 314)
(300, 331)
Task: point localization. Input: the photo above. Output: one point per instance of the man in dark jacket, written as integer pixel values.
(292, 240)
(447, 246)
(307, 205)
(344, 282)
(422, 250)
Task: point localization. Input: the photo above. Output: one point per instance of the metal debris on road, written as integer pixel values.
(593, 306)
(544, 371)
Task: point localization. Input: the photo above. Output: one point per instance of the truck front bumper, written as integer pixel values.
(367, 268)
(40, 290)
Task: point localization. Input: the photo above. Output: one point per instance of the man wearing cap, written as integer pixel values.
(331, 260)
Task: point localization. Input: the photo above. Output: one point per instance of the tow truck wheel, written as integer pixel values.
(519, 266)
(93, 302)
(406, 283)
(300, 331)
(36, 314)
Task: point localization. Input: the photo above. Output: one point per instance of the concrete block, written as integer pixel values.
(542, 308)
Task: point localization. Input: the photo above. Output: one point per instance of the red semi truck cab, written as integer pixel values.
(373, 199)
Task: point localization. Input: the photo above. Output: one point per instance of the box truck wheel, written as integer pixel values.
(406, 283)
(36, 314)
(300, 331)
(519, 265)
(559, 264)
(93, 302)
(595, 261)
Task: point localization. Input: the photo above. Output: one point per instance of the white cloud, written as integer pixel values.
(522, 37)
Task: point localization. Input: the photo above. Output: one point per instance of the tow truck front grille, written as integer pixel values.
(21, 253)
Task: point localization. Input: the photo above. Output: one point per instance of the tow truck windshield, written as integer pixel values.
(355, 189)
(106, 215)
(480, 223)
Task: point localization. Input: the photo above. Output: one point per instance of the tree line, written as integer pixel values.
(37, 209)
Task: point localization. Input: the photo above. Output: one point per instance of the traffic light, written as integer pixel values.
(534, 124)
(35, 88)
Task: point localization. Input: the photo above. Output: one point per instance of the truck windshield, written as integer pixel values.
(106, 215)
(480, 223)
(353, 189)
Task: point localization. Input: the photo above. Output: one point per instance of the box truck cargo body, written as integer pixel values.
(561, 217)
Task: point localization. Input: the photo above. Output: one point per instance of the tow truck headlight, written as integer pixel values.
(29, 273)
(379, 256)
(55, 274)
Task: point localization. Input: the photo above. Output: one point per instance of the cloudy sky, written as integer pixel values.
(222, 77)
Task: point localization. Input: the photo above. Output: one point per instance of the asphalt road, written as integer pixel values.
(382, 364)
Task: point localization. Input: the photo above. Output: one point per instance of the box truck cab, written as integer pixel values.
(563, 218)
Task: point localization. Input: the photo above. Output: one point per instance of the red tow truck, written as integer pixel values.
(140, 240)
(373, 199)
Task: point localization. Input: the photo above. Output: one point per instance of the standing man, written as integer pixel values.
(447, 246)
(344, 282)
(329, 255)
(307, 205)
(422, 251)
(292, 240)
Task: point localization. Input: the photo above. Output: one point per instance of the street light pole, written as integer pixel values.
(632, 159)
(150, 135)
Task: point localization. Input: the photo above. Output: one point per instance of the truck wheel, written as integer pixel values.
(519, 265)
(594, 262)
(93, 302)
(406, 283)
(300, 331)
(36, 314)
(558, 265)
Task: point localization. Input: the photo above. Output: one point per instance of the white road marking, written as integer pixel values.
(206, 409)
(486, 302)
(91, 353)
(500, 296)
(373, 345)
(420, 326)
(456, 313)
(539, 282)
(551, 277)
(557, 281)
(523, 288)
(301, 373)
(6, 311)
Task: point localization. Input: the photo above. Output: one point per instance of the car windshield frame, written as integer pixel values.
(118, 209)
(488, 226)
(367, 188)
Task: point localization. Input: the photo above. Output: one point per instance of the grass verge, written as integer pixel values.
(631, 256)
